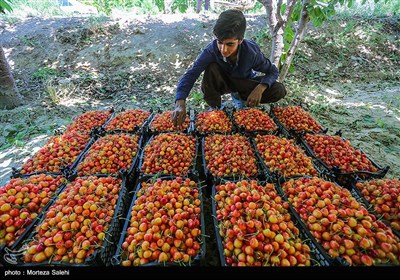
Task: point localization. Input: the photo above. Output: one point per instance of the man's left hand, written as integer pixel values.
(255, 96)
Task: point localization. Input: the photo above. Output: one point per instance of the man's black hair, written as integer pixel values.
(230, 24)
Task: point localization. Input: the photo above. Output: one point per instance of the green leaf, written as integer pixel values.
(4, 6)
(368, 119)
(20, 135)
(19, 143)
(350, 3)
(5, 146)
(288, 36)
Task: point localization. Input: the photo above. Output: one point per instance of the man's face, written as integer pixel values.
(229, 47)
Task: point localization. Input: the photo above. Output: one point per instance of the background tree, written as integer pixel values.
(287, 22)
(168, 6)
(200, 3)
(9, 95)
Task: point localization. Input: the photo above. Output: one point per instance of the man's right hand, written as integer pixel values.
(179, 114)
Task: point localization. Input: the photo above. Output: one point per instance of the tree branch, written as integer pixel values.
(304, 19)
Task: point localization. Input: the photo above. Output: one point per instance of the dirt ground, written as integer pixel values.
(99, 63)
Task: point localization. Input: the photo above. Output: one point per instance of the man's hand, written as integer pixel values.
(255, 96)
(179, 114)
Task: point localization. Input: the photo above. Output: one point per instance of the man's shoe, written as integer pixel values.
(239, 103)
(223, 105)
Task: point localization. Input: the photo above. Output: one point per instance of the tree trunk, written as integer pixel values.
(200, 3)
(168, 6)
(277, 38)
(9, 96)
(298, 37)
(277, 23)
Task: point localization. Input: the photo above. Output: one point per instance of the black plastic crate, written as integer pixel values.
(253, 132)
(202, 133)
(210, 178)
(343, 178)
(101, 256)
(128, 171)
(7, 252)
(318, 256)
(276, 175)
(192, 167)
(322, 256)
(137, 128)
(65, 169)
(94, 128)
(337, 261)
(151, 131)
(118, 257)
(355, 191)
(290, 132)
